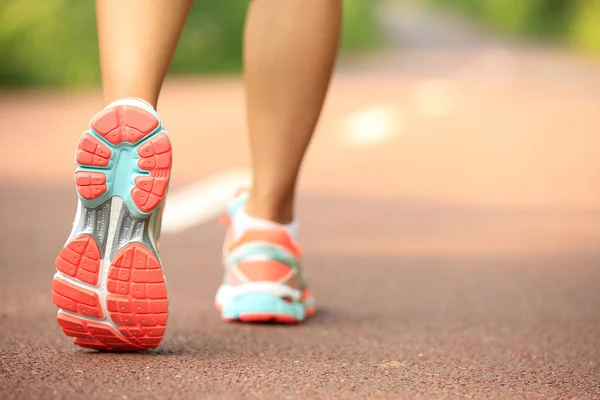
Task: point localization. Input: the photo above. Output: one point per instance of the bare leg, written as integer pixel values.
(137, 42)
(289, 52)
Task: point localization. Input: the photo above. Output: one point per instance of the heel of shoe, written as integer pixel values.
(261, 307)
(125, 153)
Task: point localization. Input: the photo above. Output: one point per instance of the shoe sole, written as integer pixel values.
(262, 308)
(109, 284)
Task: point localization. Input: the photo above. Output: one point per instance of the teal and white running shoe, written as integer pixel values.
(263, 279)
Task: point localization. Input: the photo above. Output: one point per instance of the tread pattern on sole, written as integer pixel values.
(155, 156)
(91, 152)
(80, 259)
(76, 299)
(125, 127)
(90, 184)
(124, 124)
(138, 302)
(94, 335)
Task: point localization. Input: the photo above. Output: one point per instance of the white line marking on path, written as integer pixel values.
(367, 127)
(202, 201)
(372, 126)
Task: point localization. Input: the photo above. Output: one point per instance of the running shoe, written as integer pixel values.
(109, 284)
(263, 277)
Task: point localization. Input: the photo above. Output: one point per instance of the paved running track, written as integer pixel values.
(454, 256)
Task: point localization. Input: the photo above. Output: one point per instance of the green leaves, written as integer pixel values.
(54, 43)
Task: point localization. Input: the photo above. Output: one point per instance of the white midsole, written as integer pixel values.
(130, 101)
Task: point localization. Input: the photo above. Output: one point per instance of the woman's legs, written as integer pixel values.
(289, 52)
(137, 42)
(290, 48)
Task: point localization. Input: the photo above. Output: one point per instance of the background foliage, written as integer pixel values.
(53, 42)
(575, 22)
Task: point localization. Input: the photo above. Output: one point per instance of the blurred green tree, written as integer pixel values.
(574, 22)
(53, 42)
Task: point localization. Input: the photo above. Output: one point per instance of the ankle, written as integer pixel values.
(242, 223)
(270, 208)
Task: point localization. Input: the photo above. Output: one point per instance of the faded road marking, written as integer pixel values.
(202, 201)
(372, 126)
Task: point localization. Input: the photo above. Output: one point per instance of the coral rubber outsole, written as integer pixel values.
(109, 285)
